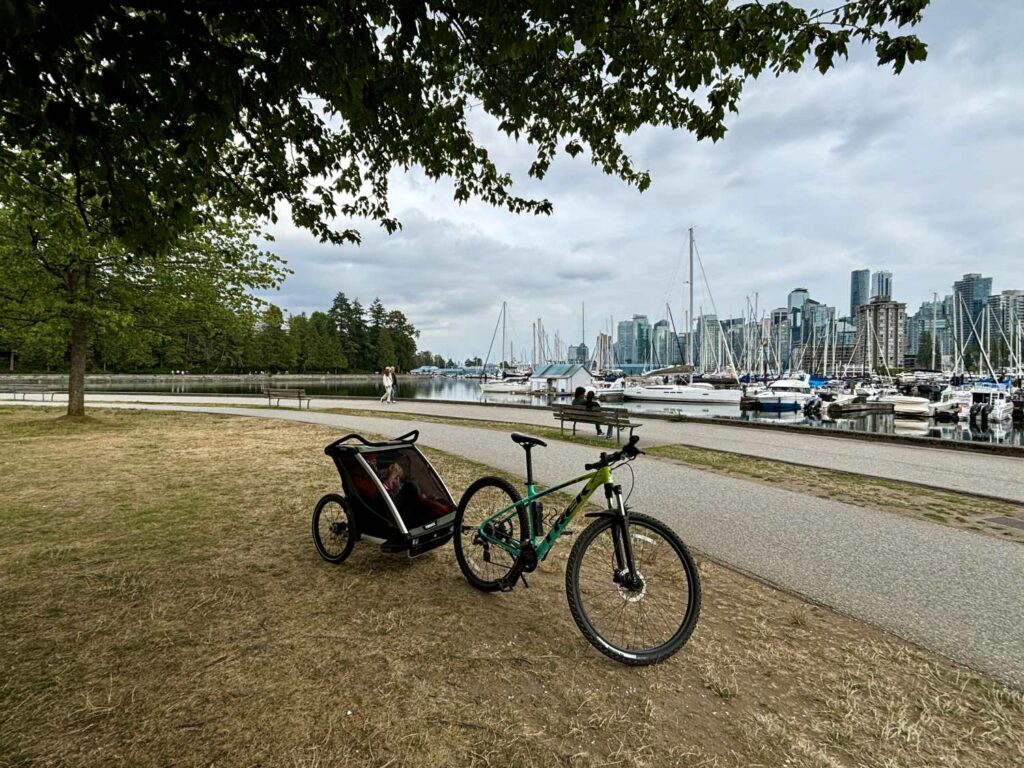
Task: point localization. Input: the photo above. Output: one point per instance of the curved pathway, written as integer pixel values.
(978, 473)
(951, 591)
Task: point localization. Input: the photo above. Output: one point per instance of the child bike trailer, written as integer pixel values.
(391, 496)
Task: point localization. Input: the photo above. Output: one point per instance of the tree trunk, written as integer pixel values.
(79, 347)
(76, 376)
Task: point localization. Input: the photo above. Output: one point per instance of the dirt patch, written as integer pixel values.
(163, 604)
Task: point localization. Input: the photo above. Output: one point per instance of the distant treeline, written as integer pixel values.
(346, 338)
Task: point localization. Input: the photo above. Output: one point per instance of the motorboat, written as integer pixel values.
(606, 391)
(696, 392)
(950, 403)
(783, 395)
(906, 406)
(988, 403)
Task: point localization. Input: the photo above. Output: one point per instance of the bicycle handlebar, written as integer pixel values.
(628, 451)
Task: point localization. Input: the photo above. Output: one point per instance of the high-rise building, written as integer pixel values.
(603, 353)
(860, 284)
(643, 339)
(797, 298)
(970, 297)
(881, 284)
(780, 339)
(664, 344)
(930, 319)
(578, 354)
(1006, 326)
(634, 341)
(709, 343)
(625, 346)
(880, 328)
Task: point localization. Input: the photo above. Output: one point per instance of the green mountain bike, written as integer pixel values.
(632, 585)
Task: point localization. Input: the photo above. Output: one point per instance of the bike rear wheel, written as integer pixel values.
(636, 623)
(485, 565)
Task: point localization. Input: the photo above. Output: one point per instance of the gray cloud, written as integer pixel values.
(918, 174)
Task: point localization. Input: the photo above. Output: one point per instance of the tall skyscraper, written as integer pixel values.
(860, 284)
(665, 344)
(634, 340)
(1006, 326)
(797, 297)
(970, 297)
(880, 327)
(881, 284)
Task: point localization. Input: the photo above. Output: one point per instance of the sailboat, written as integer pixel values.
(504, 384)
(692, 392)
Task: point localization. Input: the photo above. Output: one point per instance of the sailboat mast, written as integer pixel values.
(689, 317)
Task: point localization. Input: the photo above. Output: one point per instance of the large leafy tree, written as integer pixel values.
(69, 284)
(152, 108)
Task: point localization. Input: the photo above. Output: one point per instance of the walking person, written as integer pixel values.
(386, 381)
(394, 386)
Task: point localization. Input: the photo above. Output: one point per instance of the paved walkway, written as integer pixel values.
(952, 591)
(985, 474)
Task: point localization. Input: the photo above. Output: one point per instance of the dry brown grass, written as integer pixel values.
(163, 604)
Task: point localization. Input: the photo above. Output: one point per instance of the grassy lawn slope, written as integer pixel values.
(163, 605)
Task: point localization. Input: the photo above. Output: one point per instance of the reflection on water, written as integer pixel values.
(468, 390)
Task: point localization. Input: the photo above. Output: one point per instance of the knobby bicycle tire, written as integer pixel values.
(610, 646)
(471, 562)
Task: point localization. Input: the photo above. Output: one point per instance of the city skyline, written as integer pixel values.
(816, 177)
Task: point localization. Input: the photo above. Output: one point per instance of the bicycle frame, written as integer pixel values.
(543, 545)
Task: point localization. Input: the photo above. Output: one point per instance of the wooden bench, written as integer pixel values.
(281, 394)
(35, 389)
(613, 418)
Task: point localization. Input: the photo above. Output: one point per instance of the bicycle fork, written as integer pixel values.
(626, 574)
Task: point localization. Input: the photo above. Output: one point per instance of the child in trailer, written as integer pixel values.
(408, 498)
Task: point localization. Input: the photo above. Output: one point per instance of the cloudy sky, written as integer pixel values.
(919, 174)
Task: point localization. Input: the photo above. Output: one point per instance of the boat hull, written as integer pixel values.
(508, 389)
(683, 394)
(779, 403)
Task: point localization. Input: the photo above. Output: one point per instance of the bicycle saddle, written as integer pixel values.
(528, 442)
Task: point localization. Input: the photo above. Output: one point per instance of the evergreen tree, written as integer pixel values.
(325, 352)
(299, 337)
(276, 349)
(385, 350)
(924, 350)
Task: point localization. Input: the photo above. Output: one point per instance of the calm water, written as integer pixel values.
(468, 390)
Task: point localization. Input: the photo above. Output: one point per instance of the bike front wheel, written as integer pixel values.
(487, 566)
(634, 621)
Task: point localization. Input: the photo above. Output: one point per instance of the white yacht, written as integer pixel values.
(988, 402)
(507, 386)
(784, 395)
(697, 392)
(906, 406)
